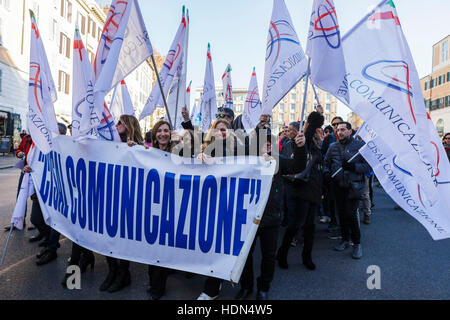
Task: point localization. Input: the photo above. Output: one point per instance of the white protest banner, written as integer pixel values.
(137, 205)
(227, 88)
(167, 73)
(121, 101)
(286, 63)
(41, 119)
(85, 117)
(384, 90)
(324, 47)
(401, 185)
(252, 107)
(26, 191)
(208, 102)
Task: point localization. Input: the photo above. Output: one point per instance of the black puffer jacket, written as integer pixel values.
(339, 152)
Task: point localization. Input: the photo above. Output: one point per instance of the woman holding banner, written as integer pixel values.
(119, 274)
(162, 139)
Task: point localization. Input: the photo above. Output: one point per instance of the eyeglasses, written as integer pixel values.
(335, 124)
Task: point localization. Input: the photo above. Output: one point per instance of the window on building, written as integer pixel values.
(281, 106)
(66, 10)
(440, 80)
(63, 82)
(432, 83)
(447, 101)
(82, 23)
(89, 25)
(53, 30)
(327, 118)
(293, 107)
(328, 97)
(293, 96)
(292, 118)
(426, 85)
(448, 76)
(440, 127)
(94, 28)
(444, 51)
(64, 45)
(328, 107)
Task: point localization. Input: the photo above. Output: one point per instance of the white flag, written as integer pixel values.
(41, 119)
(121, 101)
(167, 73)
(286, 63)
(227, 88)
(85, 120)
(26, 191)
(196, 115)
(208, 101)
(177, 94)
(324, 47)
(384, 90)
(403, 187)
(252, 107)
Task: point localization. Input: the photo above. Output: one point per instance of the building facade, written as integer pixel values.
(56, 20)
(436, 87)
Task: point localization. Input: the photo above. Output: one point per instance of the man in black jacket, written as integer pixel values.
(347, 184)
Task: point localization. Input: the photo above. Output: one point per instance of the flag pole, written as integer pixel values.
(305, 95)
(162, 91)
(350, 160)
(6, 245)
(315, 93)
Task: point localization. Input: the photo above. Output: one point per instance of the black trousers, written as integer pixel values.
(329, 207)
(77, 251)
(348, 215)
(117, 264)
(212, 286)
(302, 214)
(158, 279)
(37, 218)
(268, 241)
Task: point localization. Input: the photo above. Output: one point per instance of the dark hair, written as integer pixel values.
(329, 128)
(296, 125)
(155, 143)
(229, 112)
(347, 124)
(337, 118)
(445, 135)
(148, 137)
(62, 128)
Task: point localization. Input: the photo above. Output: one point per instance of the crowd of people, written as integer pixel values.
(320, 177)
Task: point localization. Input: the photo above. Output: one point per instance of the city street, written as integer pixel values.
(412, 265)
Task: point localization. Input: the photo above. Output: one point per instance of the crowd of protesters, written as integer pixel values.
(319, 179)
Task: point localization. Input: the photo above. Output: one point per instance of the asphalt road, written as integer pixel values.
(412, 265)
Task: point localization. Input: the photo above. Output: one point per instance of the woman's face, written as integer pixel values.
(163, 135)
(121, 127)
(221, 132)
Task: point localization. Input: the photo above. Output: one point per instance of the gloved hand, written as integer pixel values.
(348, 166)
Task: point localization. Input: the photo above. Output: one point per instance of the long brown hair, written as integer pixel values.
(133, 128)
(155, 142)
(210, 138)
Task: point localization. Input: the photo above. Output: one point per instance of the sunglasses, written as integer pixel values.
(335, 124)
(221, 116)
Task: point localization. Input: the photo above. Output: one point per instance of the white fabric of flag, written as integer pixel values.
(167, 73)
(196, 114)
(85, 117)
(402, 186)
(227, 88)
(177, 94)
(26, 191)
(286, 63)
(41, 119)
(121, 102)
(252, 107)
(208, 101)
(324, 47)
(384, 90)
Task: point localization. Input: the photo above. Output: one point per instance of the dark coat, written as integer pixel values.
(337, 153)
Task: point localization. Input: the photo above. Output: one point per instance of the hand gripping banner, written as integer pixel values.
(147, 206)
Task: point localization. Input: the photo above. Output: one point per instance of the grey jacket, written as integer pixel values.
(337, 153)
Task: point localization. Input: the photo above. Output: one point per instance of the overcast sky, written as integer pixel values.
(237, 30)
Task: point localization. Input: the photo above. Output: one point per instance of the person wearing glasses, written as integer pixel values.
(227, 114)
(329, 208)
(446, 142)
